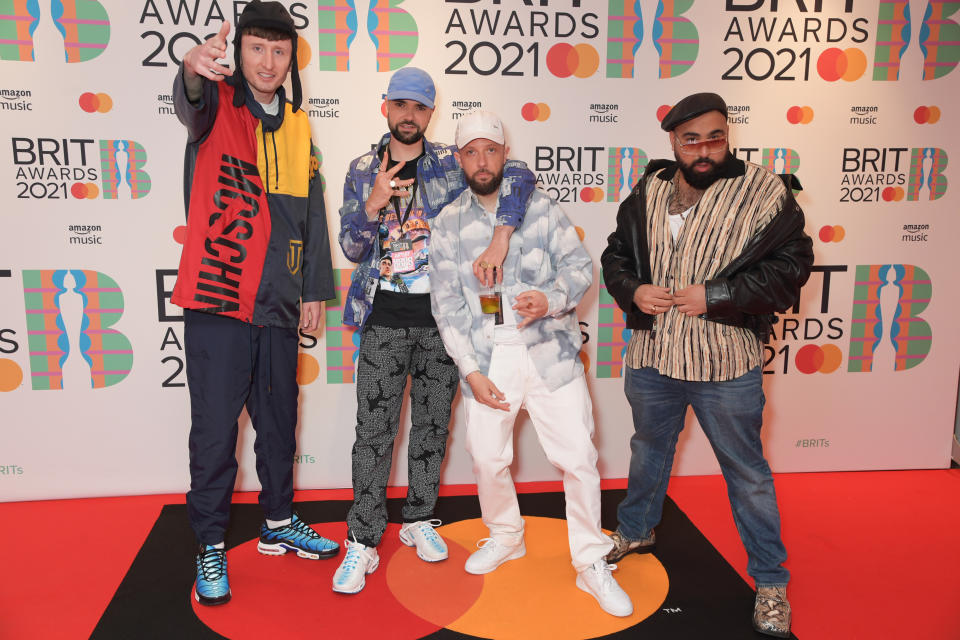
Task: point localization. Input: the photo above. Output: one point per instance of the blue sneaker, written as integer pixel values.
(296, 536)
(212, 584)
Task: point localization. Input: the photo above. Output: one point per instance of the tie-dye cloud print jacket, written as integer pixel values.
(545, 255)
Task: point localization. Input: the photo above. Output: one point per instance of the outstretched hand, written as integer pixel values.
(202, 59)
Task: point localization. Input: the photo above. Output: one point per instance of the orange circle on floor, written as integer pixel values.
(535, 596)
(407, 598)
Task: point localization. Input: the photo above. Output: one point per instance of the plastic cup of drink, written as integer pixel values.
(489, 300)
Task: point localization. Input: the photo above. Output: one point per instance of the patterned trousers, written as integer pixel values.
(387, 356)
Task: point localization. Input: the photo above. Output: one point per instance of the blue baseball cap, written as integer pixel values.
(411, 83)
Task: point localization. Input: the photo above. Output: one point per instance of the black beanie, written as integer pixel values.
(266, 15)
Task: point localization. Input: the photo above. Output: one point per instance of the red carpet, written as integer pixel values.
(873, 554)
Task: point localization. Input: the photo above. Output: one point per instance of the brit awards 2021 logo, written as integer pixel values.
(71, 30)
(563, 38)
(82, 168)
(588, 174)
(800, 41)
(892, 174)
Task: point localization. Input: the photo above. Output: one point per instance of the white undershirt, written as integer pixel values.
(676, 222)
(273, 108)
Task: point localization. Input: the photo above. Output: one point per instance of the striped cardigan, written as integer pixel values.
(729, 214)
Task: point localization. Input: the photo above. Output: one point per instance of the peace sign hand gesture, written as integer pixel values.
(385, 186)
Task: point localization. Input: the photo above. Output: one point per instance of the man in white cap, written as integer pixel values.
(391, 196)
(531, 359)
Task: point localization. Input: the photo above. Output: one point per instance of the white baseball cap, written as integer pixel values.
(479, 124)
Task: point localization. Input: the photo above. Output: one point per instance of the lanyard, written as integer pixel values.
(396, 205)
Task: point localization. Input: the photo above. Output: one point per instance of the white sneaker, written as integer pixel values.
(600, 583)
(491, 555)
(351, 575)
(430, 546)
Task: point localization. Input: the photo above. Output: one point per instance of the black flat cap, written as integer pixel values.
(691, 107)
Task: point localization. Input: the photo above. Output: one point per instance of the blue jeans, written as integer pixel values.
(731, 414)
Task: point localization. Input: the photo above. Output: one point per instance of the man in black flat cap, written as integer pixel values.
(707, 248)
(255, 265)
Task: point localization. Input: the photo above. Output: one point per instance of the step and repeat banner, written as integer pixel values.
(857, 98)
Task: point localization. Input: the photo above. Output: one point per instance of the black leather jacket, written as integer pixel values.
(765, 278)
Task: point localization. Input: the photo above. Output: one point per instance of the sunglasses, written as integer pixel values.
(713, 145)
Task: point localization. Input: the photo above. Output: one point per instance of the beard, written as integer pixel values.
(406, 138)
(485, 188)
(703, 179)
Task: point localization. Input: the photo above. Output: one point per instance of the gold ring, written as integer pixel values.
(485, 265)
(654, 308)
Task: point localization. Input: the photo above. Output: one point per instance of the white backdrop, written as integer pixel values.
(857, 98)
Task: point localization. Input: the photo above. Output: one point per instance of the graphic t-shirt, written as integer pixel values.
(403, 296)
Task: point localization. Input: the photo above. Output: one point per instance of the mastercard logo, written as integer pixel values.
(834, 233)
(591, 194)
(892, 194)
(99, 102)
(81, 190)
(841, 64)
(926, 115)
(538, 111)
(662, 111)
(799, 115)
(564, 60)
(813, 358)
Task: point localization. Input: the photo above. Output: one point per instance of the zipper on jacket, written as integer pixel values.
(266, 162)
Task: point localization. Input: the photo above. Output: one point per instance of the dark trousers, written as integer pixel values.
(231, 364)
(387, 356)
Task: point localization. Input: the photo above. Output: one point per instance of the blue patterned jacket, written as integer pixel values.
(440, 180)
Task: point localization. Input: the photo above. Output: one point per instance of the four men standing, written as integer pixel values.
(706, 249)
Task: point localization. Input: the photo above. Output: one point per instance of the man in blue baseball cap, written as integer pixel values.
(390, 197)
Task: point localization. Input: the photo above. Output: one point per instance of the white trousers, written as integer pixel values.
(563, 420)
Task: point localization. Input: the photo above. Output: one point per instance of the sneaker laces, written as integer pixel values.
(301, 527)
(604, 573)
(426, 528)
(486, 544)
(213, 563)
(355, 551)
